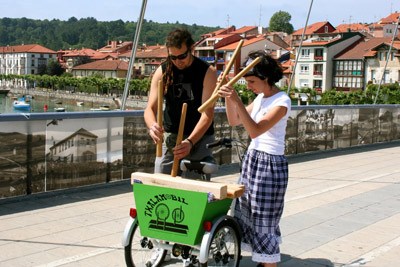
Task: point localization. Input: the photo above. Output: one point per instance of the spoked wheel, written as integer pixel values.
(141, 252)
(224, 248)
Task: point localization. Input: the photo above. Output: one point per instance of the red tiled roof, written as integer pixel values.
(244, 29)
(217, 32)
(219, 36)
(311, 28)
(32, 48)
(392, 18)
(233, 46)
(100, 56)
(104, 65)
(354, 27)
(157, 53)
(82, 52)
(362, 49)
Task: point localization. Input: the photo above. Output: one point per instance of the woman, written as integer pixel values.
(265, 169)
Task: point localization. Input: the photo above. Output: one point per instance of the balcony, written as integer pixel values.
(318, 73)
(317, 58)
(220, 60)
(208, 59)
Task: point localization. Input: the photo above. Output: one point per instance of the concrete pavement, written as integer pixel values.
(342, 209)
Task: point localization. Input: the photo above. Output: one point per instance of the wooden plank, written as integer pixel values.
(235, 190)
(219, 190)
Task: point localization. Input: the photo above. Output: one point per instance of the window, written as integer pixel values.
(326, 29)
(317, 83)
(392, 56)
(382, 55)
(304, 69)
(229, 55)
(373, 73)
(305, 52)
(304, 83)
(386, 76)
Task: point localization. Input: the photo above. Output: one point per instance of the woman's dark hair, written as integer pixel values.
(268, 67)
(175, 38)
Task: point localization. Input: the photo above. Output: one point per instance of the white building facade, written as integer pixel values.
(315, 60)
(24, 59)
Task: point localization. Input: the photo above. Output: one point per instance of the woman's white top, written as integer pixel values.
(273, 140)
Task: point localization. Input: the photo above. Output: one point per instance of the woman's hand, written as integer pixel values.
(156, 132)
(229, 93)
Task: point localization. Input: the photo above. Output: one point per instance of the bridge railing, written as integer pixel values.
(42, 152)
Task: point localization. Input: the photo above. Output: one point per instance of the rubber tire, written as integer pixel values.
(236, 236)
(128, 249)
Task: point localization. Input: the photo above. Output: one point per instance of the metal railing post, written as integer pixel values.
(133, 54)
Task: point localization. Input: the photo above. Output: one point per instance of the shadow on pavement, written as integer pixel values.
(315, 155)
(289, 261)
(63, 197)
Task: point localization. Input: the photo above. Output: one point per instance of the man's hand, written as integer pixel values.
(156, 132)
(182, 150)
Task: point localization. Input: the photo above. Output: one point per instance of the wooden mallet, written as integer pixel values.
(211, 101)
(229, 66)
(160, 116)
(175, 164)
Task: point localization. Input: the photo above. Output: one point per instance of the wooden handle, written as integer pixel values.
(175, 165)
(229, 66)
(214, 97)
(160, 116)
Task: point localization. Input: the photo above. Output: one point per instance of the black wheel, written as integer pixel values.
(224, 248)
(140, 251)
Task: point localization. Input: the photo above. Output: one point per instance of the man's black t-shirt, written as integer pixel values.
(187, 88)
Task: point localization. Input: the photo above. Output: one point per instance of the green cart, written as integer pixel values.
(191, 224)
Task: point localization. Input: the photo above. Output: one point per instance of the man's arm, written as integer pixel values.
(206, 118)
(155, 130)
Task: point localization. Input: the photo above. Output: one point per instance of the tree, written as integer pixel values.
(54, 68)
(280, 22)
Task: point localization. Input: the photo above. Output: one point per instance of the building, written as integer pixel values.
(71, 58)
(116, 47)
(147, 61)
(311, 30)
(315, 60)
(107, 68)
(254, 44)
(207, 48)
(24, 59)
(376, 60)
(358, 64)
(385, 27)
(81, 146)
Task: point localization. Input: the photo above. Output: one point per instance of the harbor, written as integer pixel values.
(42, 100)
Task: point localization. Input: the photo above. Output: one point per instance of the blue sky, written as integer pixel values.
(205, 12)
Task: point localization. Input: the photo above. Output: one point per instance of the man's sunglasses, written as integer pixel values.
(181, 56)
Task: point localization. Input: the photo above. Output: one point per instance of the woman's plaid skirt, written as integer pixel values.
(260, 208)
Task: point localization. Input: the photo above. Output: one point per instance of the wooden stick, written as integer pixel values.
(211, 101)
(228, 67)
(175, 165)
(160, 116)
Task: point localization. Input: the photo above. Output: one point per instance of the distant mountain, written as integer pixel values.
(86, 32)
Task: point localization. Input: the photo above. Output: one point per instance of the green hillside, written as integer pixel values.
(86, 32)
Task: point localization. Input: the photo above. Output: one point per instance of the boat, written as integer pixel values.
(18, 104)
(105, 107)
(59, 109)
(79, 103)
(58, 102)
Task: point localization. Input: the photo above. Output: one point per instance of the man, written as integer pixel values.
(186, 79)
